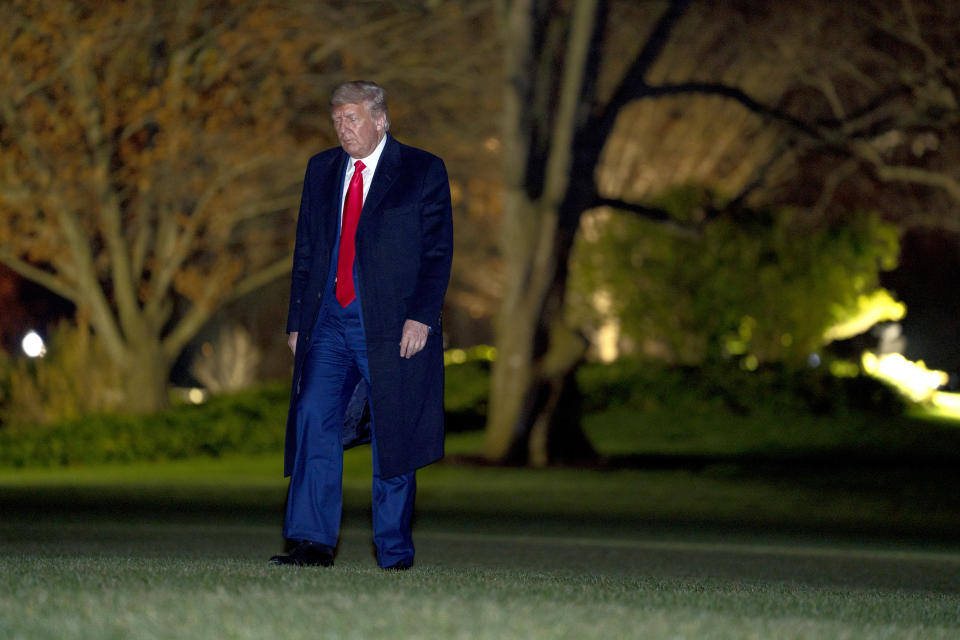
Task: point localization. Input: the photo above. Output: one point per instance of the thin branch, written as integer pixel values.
(868, 109)
(787, 143)
(738, 95)
(650, 213)
(266, 207)
(901, 173)
(261, 278)
(141, 241)
(660, 217)
(831, 183)
(188, 326)
(180, 246)
(633, 82)
(35, 274)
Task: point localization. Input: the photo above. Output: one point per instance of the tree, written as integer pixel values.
(151, 152)
(857, 90)
(554, 132)
(148, 152)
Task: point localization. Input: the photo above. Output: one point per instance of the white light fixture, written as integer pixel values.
(33, 345)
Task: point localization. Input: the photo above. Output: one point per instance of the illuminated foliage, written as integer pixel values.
(73, 379)
(757, 287)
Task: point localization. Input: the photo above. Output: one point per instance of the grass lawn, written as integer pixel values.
(698, 542)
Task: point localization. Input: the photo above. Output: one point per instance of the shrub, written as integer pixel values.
(647, 386)
(466, 390)
(250, 421)
(245, 422)
(75, 378)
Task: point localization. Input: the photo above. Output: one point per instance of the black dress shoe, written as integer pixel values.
(306, 554)
(400, 566)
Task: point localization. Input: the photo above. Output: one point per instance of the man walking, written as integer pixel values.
(370, 269)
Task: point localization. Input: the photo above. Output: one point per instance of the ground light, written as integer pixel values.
(915, 380)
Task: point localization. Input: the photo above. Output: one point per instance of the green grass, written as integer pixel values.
(702, 527)
(203, 581)
(178, 551)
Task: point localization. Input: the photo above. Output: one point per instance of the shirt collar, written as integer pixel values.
(371, 161)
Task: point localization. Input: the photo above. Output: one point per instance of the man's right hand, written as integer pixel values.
(292, 341)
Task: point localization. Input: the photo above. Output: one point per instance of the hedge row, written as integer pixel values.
(707, 389)
(246, 422)
(253, 421)
(249, 421)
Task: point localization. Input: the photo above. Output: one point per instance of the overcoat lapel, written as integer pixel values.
(331, 227)
(387, 170)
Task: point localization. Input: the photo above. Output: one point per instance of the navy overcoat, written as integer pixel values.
(404, 249)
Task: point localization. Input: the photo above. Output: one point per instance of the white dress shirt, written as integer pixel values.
(369, 167)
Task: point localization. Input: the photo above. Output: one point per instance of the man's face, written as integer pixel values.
(358, 131)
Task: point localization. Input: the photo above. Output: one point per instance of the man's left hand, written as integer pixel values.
(414, 338)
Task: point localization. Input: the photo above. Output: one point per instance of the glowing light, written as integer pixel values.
(872, 308)
(478, 352)
(33, 345)
(196, 396)
(735, 347)
(486, 352)
(947, 404)
(844, 369)
(914, 379)
(607, 341)
(454, 356)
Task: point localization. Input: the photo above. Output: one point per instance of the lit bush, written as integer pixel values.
(73, 379)
(246, 422)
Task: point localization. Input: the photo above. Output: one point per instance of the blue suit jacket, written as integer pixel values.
(404, 250)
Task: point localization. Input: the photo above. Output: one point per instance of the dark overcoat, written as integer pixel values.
(404, 249)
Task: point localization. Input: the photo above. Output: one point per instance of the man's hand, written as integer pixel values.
(414, 338)
(292, 341)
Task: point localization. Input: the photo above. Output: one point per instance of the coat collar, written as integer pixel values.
(387, 171)
(388, 168)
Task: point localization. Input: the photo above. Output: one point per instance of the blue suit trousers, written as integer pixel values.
(334, 364)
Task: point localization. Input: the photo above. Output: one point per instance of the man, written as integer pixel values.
(370, 270)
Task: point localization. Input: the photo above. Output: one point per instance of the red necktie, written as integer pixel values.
(348, 231)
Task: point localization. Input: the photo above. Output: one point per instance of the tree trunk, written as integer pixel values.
(534, 415)
(550, 64)
(554, 133)
(147, 375)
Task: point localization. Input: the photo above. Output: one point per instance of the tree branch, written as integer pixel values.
(633, 83)
(35, 274)
(738, 95)
(565, 121)
(661, 217)
(90, 115)
(179, 247)
(901, 173)
(650, 213)
(760, 174)
(261, 278)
